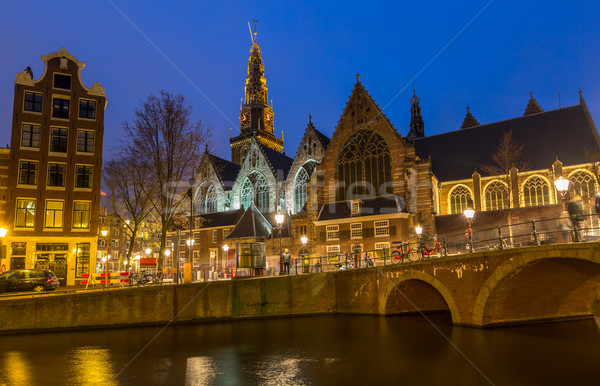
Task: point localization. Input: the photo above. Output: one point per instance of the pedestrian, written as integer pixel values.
(575, 208)
(286, 257)
(565, 226)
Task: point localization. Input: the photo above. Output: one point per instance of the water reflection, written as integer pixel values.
(339, 350)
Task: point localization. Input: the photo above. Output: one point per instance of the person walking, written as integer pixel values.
(286, 257)
(575, 208)
(565, 226)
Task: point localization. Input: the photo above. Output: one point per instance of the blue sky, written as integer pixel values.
(312, 51)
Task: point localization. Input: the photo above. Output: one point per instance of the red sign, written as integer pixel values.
(468, 232)
(147, 261)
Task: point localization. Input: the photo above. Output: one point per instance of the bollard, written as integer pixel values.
(535, 235)
(500, 244)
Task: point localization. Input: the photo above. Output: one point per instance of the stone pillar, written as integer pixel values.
(514, 187)
(476, 190)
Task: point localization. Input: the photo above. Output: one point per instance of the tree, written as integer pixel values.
(131, 204)
(166, 144)
(507, 155)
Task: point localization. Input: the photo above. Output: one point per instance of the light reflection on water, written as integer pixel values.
(338, 350)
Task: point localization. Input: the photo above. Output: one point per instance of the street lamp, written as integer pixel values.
(279, 221)
(419, 232)
(226, 250)
(190, 242)
(562, 185)
(469, 215)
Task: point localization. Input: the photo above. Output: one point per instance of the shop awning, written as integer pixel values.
(148, 261)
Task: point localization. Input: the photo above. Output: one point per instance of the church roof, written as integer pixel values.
(221, 219)
(226, 170)
(252, 225)
(371, 206)
(564, 133)
(280, 163)
(322, 138)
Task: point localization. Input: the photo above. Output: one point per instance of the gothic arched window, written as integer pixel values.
(536, 191)
(255, 189)
(364, 166)
(210, 202)
(582, 183)
(300, 184)
(459, 198)
(496, 196)
(247, 195)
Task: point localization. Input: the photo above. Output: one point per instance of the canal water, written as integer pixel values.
(319, 350)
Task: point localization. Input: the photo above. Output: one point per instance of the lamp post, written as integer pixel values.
(190, 242)
(304, 240)
(562, 185)
(279, 221)
(469, 215)
(419, 231)
(226, 250)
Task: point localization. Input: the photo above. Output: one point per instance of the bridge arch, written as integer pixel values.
(540, 286)
(423, 285)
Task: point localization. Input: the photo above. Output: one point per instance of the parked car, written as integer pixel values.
(36, 280)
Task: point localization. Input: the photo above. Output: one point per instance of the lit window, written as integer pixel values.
(30, 136)
(496, 196)
(355, 207)
(583, 184)
(382, 228)
(356, 231)
(25, 213)
(215, 235)
(382, 250)
(333, 250)
(54, 214)
(333, 232)
(196, 238)
(459, 197)
(33, 102)
(536, 191)
(81, 214)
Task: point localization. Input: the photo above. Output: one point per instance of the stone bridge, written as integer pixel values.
(510, 286)
(501, 287)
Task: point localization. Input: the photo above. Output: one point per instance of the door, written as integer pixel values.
(42, 261)
(58, 265)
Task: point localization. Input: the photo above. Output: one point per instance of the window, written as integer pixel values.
(83, 176)
(33, 102)
(302, 231)
(82, 263)
(255, 189)
(247, 195)
(81, 214)
(25, 213)
(115, 232)
(460, 198)
(182, 239)
(364, 166)
(583, 184)
(536, 191)
(210, 202)
(382, 228)
(54, 214)
(197, 238)
(60, 108)
(262, 193)
(356, 248)
(56, 174)
(28, 171)
(382, 250)
(30, 136)
(333, 250)
(355, 207)
(62, 81)
(196, 258)
(496, 196)
(215, 235)
(333, 232)
(169, 240)
(87, 109)
(356, 231)
(85, 141)
(226, 232)
(300, 185)
(114, 243)
(58, 140)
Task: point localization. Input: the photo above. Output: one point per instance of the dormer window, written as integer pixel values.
(355, 207)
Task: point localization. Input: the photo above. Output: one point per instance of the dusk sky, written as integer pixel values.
(312, 51)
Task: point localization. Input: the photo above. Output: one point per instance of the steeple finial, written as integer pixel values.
(533, 107)
(309, 118)
(255, 22)
(579, 92)
(357, 77)
(417, 126)
(469, 120)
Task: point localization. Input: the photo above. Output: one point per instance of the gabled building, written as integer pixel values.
(53, 186)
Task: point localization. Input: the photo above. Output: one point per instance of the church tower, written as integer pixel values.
(256, 114)
(417, 127)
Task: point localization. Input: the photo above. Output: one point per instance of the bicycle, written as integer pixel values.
(427, 252)
(401, 253)
(341, 261)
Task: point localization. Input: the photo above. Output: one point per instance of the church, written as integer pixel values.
(369, 185)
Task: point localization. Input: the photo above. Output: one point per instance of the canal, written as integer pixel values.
(319, 350)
